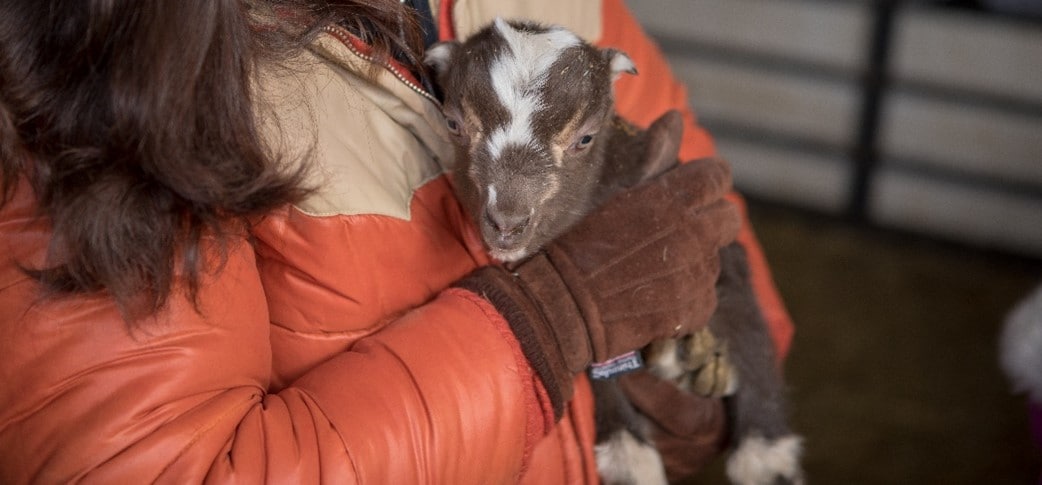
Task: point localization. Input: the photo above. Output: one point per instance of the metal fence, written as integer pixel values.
(893, 113)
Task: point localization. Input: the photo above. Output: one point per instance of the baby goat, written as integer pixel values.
(539, 145)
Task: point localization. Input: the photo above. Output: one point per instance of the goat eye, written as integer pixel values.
(452, 125)
(584, 142)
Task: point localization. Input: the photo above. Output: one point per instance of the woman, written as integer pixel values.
(230, 252)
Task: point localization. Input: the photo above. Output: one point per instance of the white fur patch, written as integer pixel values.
(518, 75)
(508, 256)
(624, 460)
(759, 461)
(439, 55)
(732, 384)
(621, 63)
(1020, 346)
(492, 195)
(665, 362)
(551, 185)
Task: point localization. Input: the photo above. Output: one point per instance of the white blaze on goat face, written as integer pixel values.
(518, 76)
(524, 103)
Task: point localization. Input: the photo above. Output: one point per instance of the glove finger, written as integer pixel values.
(625, 222)
(698, 182)
(715, 225)
(633, 329)
(654, 207)
(684, 457)
(659, 275)
(698, 317)
(646, 304)
(649, 208)
(674, 411)
(649, 309)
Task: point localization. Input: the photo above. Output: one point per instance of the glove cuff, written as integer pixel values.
(553, 346)
(562, 307)
(573, 282)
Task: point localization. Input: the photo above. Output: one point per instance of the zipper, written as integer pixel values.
(344, 36)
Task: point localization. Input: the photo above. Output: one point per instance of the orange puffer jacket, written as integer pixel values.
(327, 348)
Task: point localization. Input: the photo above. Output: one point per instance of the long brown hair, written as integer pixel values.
(134, 125)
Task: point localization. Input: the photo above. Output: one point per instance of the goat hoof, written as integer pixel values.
(709, 366)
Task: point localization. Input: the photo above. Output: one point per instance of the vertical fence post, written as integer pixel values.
(874, 82)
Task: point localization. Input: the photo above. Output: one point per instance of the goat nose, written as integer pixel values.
(507, 225)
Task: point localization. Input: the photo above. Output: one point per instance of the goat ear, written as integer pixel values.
(663, 144)
(620, 63)
(439, 56)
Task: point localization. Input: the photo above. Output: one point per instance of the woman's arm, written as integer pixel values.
(183, 397)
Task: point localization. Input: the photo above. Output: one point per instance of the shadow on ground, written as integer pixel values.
(893, 371)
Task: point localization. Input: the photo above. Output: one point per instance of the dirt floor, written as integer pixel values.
(893, 371)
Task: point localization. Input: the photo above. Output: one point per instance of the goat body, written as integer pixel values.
(538, 146)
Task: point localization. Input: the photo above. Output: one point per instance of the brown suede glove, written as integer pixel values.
(688, 430)
(641, 267)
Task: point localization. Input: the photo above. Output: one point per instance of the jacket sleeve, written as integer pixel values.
(642, 99)
(440, 395)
